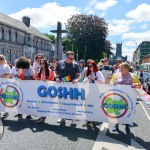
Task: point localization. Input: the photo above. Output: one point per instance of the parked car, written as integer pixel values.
(146, 83)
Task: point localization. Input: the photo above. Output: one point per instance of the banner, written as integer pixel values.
(93, 102)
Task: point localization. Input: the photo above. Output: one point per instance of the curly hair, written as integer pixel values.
(23, 63)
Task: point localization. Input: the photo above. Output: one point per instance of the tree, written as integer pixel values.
(50, 36)
(88, 33)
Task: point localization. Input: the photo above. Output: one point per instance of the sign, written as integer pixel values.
(93, 102)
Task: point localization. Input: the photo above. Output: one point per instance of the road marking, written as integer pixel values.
(1, 128)
(105, 142)
(145, 111)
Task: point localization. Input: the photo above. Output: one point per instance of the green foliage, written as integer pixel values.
(50, 36)
(88, 33)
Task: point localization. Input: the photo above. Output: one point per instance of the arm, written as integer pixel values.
(6, 76)
(78, 76)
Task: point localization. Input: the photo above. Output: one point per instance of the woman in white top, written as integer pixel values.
(4, 73)
(93, 75)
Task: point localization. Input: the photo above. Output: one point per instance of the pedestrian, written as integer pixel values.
(93, 75)
(25, 72)
(44, 74)
(5, 72)
(124, 77)
(81, 66)
(118, 61)
(67, 69)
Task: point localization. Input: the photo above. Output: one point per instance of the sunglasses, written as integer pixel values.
(42, 63)
(117, 62)
(71, 58)
(1, 58)
(54, 61)
(71, 54)
(90, 66)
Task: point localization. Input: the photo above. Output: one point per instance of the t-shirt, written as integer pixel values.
(65, 69)
(130, 79)
(82, 74)
(4, 69)
(106, 68)
(97, 76)
(14, 72)
(29, 72)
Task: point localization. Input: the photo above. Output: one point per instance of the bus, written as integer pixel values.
(145, 66)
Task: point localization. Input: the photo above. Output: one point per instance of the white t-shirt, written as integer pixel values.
(14, 72)
(4, 69)
(98, 76)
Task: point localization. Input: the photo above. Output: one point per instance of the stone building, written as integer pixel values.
(118, 54)
(20, 39)
(139, 54)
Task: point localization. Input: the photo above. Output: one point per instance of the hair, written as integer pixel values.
(5, 61)
(69, 52)
(125, 65)
(53, 59)
(23, 63)
(39, 55)
(82, 61)
(95, 68)
(46, 69)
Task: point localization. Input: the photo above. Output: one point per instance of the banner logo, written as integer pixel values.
(114, 105)
(9, 96)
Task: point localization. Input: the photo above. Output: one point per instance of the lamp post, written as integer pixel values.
(84, 53)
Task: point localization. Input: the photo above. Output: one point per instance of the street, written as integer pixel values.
(22, 134)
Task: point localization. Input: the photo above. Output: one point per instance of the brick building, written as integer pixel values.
(20, 39)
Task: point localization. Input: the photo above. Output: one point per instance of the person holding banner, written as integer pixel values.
(93, 75)
(5, 72)
(44, 74)
(25, 72)
(67, 71)
(124, 77)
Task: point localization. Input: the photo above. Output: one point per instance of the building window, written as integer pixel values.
(1, 33)
(41, 44)
(15, 39)
(2, 51)
(9, 35)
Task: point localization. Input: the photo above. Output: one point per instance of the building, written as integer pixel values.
(146, 59)
(139, 54)
(20, 39)
(118, 54)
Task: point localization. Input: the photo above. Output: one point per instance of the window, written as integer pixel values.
(9, 35)
(1, 33)
(2, 51)
(15, 37)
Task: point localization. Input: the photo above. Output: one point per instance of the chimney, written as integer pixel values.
(26, 21)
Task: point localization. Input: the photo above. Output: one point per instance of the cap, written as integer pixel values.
(119, 59)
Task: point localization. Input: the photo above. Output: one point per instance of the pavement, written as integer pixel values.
(23, 134)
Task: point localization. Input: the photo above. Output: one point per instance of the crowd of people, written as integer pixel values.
(41, 69)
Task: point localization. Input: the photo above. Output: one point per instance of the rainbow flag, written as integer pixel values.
(66, 79)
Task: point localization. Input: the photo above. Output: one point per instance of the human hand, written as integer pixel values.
(58, 80)
(75, 81)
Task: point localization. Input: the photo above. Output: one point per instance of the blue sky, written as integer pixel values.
(128, 19)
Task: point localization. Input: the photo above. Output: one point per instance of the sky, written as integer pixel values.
(128, 20)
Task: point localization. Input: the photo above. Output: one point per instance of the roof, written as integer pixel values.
(20, 25)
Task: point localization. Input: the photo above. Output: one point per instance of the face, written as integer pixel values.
(1, 60)
(70, 57)
(53, 61)
(39, 58)
(105, 62)
(42, 64)
(81, 64)
(124, 70)
(117, 63)
(90, 66)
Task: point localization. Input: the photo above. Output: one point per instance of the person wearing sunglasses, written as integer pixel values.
(118, 61)
(45, 74)
(5, 72)
(93, 75)
(67, 68)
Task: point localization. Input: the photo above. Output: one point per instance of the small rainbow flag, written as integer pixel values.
(66, 79)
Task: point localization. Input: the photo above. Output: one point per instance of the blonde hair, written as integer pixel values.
(5, 61)
(125, 65)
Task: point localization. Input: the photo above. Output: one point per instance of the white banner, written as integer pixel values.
(93, 102)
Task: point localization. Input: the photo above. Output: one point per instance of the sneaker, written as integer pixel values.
(41, 120)
(86, 124)
(73, 122)
(18, 115)
(127, 129)
(6, 114)
(115, 128)
(29, 117)
(60, 120)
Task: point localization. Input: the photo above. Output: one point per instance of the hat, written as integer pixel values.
(119, 59)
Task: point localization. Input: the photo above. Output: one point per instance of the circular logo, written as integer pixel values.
(9, 96)
(114, 105)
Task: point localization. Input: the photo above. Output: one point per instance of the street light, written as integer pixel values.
(84, 53)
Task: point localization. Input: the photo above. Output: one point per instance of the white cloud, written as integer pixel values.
(92, 3)
(117, 27)
(47, 15)
(141, 13)
(139, 37)
(90, 12)
(130, 44)
(143, 26)
(105, 5)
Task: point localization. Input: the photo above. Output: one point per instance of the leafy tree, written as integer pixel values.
(88, 34)
(50, 36)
